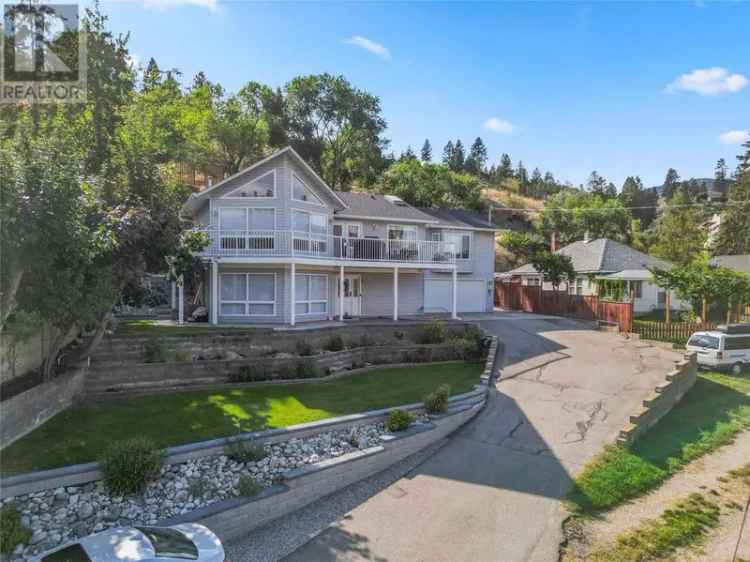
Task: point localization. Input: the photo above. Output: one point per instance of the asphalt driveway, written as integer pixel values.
(492, 493)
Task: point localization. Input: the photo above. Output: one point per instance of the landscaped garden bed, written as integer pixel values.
(82, 432)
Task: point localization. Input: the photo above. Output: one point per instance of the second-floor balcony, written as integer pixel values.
(287, 243)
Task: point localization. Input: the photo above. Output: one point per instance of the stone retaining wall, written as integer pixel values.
(146, 376)
(26, 411)
(664, 397)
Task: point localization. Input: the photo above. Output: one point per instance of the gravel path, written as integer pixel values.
(282, 537)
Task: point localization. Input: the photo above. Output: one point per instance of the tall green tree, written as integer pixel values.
(458, 157)
(477, 159)
(642, 202)
(330, 122)
(426, 152)
(671, 183)
(734, 231)
(573, 213)
(556, 268)
(448, 153)
(505, 170)
(678, 235)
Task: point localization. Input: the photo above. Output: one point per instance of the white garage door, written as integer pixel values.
(438, 295)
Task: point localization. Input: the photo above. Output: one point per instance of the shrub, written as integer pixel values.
(399, 420)
(334, 343)
(307, 369)
(12, 531)
(436, 402)
(432, 332)
(244, 450)
(154, 351)
(304, 348)
(366, 340)
(398, 334)
(127, 466)
(474, 333)
(467, 349)
(248, 486)
(249, 373)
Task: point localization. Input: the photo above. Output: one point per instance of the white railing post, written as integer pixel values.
(214, 292)
(454, 313)
(395, 294)
(293, 299)
(341, 294)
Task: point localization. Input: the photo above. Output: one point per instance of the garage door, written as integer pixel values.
(438, 295)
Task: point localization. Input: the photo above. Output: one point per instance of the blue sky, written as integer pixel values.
(623, 88)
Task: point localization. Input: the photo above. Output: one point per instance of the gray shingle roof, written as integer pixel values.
(377, 206)
(739, 262)
(602, 256)
(458, 217)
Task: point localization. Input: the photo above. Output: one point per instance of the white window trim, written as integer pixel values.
(345, 225)
(310, 302)
(309, 231)
(247, 217)
(443, 232)
(248, 302)
(318, 203)
(410, 227)
(248, 184)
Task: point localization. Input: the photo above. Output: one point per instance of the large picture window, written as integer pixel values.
(244, 228)
(310, 232)
(311, 294)
(261, 187)
(402, 232)
(461, 242)
(247, 294)
(300, 192)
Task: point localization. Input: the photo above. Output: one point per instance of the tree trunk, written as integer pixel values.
(704, 311)
(48, 367)
(88, 347)
(8, 299)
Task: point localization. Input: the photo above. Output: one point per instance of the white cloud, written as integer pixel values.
(369, 45)
(708, 82)
(499, 125)
(734, 137)
(212, 5)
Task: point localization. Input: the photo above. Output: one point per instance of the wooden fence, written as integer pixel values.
(676, 332)
(512, 295)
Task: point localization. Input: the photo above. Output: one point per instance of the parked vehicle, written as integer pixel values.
(132, 544)
(727, 347)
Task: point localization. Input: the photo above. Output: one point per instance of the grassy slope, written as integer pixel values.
(82, 432)
(710, 415)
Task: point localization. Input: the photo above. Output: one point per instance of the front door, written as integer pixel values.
(352, 295)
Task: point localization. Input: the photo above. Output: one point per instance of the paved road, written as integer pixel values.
(493, 492)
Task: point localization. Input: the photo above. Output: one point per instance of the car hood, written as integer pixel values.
(120, 544)
(209, 545)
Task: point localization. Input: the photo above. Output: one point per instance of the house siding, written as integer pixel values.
(378, 293)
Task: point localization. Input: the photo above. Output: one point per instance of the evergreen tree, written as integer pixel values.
(720, 176)
(458, 158)
(408, 154)
(537, 183)
(679, 237)
(671, 183)
(734, 232)
(523, 178)
(152, 75)
(426, 152)
(744, 160)
(506, 167)
(597, 184)
(448, 153)
(634, 195)
(477, 159)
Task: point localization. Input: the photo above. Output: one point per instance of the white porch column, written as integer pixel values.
(454, 315)
(395, 293)
(174, 295)
(214, 292)
(341, 294)
(181, 302)
(293, 297)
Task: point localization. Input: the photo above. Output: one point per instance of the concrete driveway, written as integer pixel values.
(492, 493)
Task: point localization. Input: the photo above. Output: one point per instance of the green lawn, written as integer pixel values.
(80, 433)
(154, 328)
(709, 416)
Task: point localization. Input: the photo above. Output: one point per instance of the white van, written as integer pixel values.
(727, 347)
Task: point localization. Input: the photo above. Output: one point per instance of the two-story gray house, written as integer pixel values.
(286, 248)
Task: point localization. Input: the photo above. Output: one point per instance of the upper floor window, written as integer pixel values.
(263, 186)
(300, 192)
(402, 232)
(461, 242)
(247, 218)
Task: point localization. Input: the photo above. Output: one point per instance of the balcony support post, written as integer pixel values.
(454, 314)
(180, 301)
(174, 295)
(214, 292)
(395, 294)
(341, 293)
(293, 291)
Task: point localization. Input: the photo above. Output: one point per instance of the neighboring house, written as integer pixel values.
(285, 248)
(740, 263)
(605, 259)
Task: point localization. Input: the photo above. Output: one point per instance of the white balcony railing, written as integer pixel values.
(286, 243)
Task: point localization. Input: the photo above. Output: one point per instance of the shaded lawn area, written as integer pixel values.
(154, 328)
(715, 410)
(82, 432)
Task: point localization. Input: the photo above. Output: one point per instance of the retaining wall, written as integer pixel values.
(26, 411)
(664, 397)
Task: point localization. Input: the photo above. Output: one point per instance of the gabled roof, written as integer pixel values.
(459, 218)
(375, 206)
(740, 262)
(195, 198)
(602, 256)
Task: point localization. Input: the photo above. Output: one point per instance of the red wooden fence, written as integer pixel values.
(512, 295)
